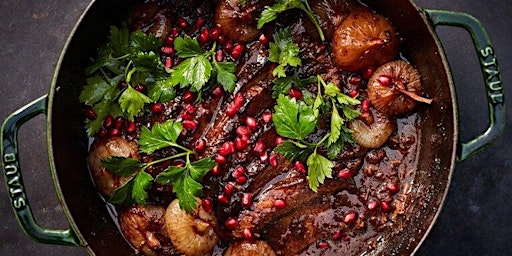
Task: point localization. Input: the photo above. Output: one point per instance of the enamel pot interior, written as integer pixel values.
(88, 212)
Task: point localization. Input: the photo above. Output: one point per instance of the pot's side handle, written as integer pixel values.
(14, 181)
(491, 74)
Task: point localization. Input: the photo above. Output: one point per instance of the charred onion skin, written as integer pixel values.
(246, 248)
(364, 39)
(402, 94)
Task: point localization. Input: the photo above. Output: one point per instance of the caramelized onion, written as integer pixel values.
(238, 22)
(246, 248)
(371, 130)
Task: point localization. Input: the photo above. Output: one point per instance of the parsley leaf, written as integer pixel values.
(284, 52)
(141, 183)
(187, 47)
(132, 102)
(193, 71)
(121, 166)
(319, 168)
(225, 75)
(160, 136)
(292, 119)
(336, 123)
(294, 150)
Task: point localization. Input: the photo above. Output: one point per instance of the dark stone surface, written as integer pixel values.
(476, 216)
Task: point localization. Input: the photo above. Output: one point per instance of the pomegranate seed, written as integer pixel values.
(119, 123)
(227, 148)
(102, 133)
(90, 114)
(231, 223)
(365, 105)
(247, 233)
(350, 217)
(190, 109)
(279, 140)
(114, 132)
(385, 206)
(237, 51)
(122, 85)
(238, 172)
(215, 33)
(229, 189)
(232, 110)
(157, 108)
(175, 32)
(345, 174)
(140, 88)
(264, 39)
(219, 56)
(217, 92)
(372, 205)
(259, 146)
(266, 117)
(251, 123)
(182, 22)
(169, 41)
(183, 133)
(385, 80)
(132, 127)
(243, 131)
(215, 170)
(220, 159)
(200, 145)
(336, 235)
(189, 124)
(295, 93)
(246, 200)
(167, 51)
(264, 156)
(239, 100)
(299, 166)
(241, 143)
(323, 245)
(179, 163)
(355, 80)
(223, 199)
(199, 23)
(168, 62)
(353, 93)
(393, 188)
(273, 160)
(346, 238)
(228, 46)
(241, 180)
(279, 204)
(207, 205)
(108, 121)
(204, 36)
(186, 116)
(188, 97)
(367, 73)
(222, 40)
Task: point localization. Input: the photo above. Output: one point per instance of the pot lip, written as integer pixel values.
(51, 95)
(54, 89)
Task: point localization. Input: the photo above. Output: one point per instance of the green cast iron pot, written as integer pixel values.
(90, 223)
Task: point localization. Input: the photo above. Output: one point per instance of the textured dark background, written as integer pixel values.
(476, 219)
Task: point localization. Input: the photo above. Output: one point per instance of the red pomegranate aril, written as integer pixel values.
(273, 160)
(108, 121)
(215, 170)
(215, 33)
(223, 199)
(90, 114)
(323, 245)
(186, 116)
(247, 233)
(350, 217)
(228, 46)
(229, 189)
(122, 85)
(368, 73)
(372, 205)
(355, 80)
(279, 140)
(119, 123)
(204, 36)
(132, 127)
(140, 88)
(227, 148)
(189, 124)
(241, 180)
(217, 92)
(365, 105)
(251, 123)
(295, 93)
(345, 173)
(199, 23)
(346, 238)
(175, 31)
(114, 132)
(188, 97)
(167, 51)
(190, 109)
(264, 39)
(222, 40)
(157, 108)
(179, 163)
(264, 156)
(259, 146)
(266, 117)
(385, 80)
(336, 235)
(246, 200)
(241, 143)
(353, 93)
(231, 223)
(386, 206)
(169, 41)
(393, 188)
(238, 172)
(102, 133)
(243, 131)
(168, 62)
(239, 100)
(299, 166)
(200, 145)
(219, 55)
(232, 110)
(279, 204)
(182, 22)
(237, 51)
(207, 205)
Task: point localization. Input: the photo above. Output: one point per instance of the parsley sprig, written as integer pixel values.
(185, 180)
(296, 120)
(271, 12)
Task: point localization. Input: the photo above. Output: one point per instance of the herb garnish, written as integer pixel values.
(270, 13)
(185, 180)
(296, 120)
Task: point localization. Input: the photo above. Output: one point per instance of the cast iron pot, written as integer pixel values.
(90, 222)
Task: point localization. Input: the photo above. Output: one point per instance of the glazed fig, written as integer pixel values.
(236, 21)
(364, 39)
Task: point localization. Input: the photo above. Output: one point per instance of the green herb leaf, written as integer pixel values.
(284, 52)
(319, 168)
(160, 136)
(186, 189)
(199, 168)
(161, 90)
(187, 47)
(121, 166)
(132, 102)
(292, 119)
(94, 91)
(119, 39)
(336, 123)
(169, 175)
(123, 193)
(225, 75)
(140, 42)
(193, 71)
(147, 62)
(142, 182)
(294, 150)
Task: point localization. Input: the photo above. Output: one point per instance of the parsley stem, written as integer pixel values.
(306, 8)
(146, 165)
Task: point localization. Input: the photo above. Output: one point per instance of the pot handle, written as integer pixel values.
(14, 181)
(491, 74)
